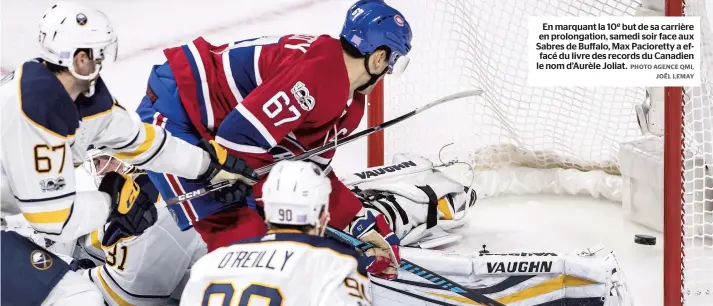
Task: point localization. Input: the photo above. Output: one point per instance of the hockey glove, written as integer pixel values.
(82, 264)
(384, 258)
(224, 166)
(131, 208)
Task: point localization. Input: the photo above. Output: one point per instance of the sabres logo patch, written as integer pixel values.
(81, 19)
(40, 260)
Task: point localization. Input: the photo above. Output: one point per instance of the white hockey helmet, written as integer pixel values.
(295, 193)
(68, 27)
(98, 164)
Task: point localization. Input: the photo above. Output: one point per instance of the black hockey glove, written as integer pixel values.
(224, 166)
(82, 264)
(131, 208)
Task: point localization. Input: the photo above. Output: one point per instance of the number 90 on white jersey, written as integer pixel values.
(281, 268)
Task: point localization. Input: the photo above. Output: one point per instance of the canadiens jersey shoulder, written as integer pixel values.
(36, 95)
(291, 50)
(284, 53)
(321, 72)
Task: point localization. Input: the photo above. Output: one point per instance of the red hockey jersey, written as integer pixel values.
(268, 98)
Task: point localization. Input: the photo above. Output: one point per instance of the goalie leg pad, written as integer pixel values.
(521, 278)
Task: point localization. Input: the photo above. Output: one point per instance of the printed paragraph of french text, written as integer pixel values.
(614, 51)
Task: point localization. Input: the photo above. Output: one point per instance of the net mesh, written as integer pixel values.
(462, 44)
(697, 170)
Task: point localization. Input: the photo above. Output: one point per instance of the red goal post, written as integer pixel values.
(674, 210)
(375, 116)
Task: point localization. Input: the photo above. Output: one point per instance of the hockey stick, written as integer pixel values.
(339, 142)
(419, 271)
(374, 129)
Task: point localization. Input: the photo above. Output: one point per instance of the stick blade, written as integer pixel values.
(459, 95)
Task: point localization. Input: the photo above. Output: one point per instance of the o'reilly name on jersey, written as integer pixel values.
(544, 266)
(383, 170)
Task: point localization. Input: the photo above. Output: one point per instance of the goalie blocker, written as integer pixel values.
(423, 206)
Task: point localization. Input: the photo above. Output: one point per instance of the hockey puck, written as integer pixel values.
(645, 239)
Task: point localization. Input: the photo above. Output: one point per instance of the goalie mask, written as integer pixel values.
(297, 193)
(98, 164)
(68, 28)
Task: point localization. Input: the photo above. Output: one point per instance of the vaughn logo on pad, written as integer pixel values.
(544, 266)
(379, 171)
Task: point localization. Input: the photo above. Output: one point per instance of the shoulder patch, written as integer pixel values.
(99, 103)
(45, 102)
(301, 94)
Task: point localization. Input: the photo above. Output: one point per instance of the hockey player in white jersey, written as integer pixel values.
(53, 109)
(292, 264)
(141, 269)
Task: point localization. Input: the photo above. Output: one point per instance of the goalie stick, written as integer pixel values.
(339, 142)
(419, 271)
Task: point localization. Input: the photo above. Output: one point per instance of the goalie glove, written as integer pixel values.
(81, 264)
(132, 208)
(384, 258)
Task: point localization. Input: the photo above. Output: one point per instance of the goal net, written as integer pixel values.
(465, 44)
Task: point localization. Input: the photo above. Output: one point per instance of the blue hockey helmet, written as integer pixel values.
(371, 24)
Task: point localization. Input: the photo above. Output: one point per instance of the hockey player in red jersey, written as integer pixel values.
(273, 97)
